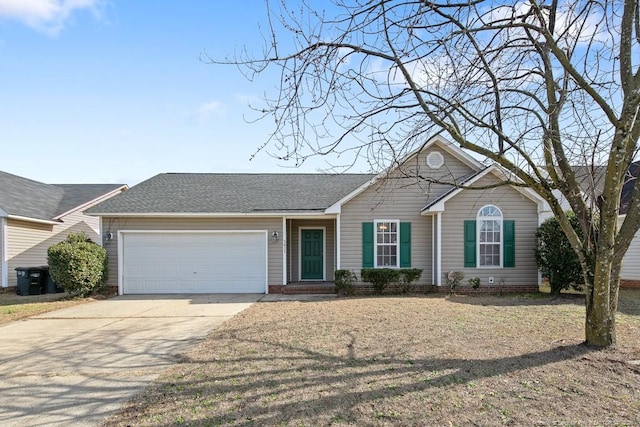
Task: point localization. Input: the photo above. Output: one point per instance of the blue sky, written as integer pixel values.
(113, 91)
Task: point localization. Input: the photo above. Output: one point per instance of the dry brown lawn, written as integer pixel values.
(455, 361)
(14, 307)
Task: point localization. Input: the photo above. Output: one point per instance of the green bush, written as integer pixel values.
(380, 278)
(556, 258)
(408, 279)
(344, 280)
(78, 265)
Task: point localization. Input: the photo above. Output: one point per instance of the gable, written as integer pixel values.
(410, 185)
(417, 175)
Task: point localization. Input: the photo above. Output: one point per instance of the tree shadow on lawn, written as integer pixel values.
(513, 300)
(314, 384)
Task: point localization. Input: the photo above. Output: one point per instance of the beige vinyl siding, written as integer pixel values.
(294, 246)
(271, 224)
(514, 206)
(399, 198)
(28, 241)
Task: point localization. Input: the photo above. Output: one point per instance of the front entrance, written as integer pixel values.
(311, 254)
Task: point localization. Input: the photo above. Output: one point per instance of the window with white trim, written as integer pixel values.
(387, 243)
(489, 222)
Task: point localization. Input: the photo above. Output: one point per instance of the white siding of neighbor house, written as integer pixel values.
(631, 261)
(294, 246)
(271, 224)
(514, 206)
(401, 199)
(28, 241)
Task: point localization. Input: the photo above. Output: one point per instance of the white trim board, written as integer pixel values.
(4, 258)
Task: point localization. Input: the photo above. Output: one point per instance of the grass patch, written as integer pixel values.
(461, 360)
(14, 307)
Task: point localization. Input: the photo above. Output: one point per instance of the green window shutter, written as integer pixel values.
(509, 241)
(405, 244)
(470, 243)
(367, 245)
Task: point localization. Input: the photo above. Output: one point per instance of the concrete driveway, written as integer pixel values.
(78, 365)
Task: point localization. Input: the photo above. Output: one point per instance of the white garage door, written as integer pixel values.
(181, 262)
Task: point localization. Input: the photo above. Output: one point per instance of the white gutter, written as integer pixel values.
(318, 215)
(38, 221)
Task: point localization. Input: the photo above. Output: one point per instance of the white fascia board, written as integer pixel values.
(94, 201)
(208, 215)
(4, 259)
(38, 221)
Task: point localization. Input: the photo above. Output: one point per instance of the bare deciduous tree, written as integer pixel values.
(539, 87)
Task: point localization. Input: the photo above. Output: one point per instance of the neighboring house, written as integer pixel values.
(208, 233)
(591, 180)
(34, 215)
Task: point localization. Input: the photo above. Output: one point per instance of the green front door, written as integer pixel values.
(311, 254)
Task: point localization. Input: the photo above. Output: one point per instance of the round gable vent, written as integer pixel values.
(435, 160)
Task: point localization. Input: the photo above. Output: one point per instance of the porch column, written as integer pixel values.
(337, 246)
(439, 247)
(284, 250)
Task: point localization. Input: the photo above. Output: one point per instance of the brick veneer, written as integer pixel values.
(365, 289)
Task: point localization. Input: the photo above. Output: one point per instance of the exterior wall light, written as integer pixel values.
(274, 236)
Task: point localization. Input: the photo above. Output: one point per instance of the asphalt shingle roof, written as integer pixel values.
(25, 197)
(232, 193)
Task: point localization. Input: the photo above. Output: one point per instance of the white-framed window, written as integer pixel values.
(489, 226)
(387, 250)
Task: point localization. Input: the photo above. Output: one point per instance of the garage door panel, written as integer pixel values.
(228, 262)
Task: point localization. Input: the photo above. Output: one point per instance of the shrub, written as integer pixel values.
(453, 279)
(78, 265)
(474, 282)
(555, 257)
(380, 278)
(344, 280)
(408, 279)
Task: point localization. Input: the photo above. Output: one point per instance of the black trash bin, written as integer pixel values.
(49, 285)
(29, 281)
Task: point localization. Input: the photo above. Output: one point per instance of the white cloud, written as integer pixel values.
(208, 109)
(47, 16)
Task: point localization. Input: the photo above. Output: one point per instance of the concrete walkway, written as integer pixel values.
(78, 365)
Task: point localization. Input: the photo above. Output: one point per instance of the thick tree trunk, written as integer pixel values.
(601, 306)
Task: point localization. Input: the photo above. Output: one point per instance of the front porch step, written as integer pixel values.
(307, 288)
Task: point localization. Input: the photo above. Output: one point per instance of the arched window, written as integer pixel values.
(489, 226)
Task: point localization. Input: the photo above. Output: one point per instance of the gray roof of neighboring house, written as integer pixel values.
(28, 198)
(232, 193)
